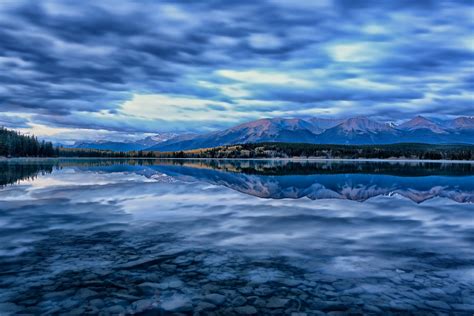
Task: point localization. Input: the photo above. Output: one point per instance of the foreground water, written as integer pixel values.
(154, 237)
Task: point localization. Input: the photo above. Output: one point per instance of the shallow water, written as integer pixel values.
(159, 237)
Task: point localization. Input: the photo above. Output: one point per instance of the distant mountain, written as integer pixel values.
(364, 125)
(156, 139)
(128, 146)
(105, 145)
(421, 122)
(264, 130)
(462, 123)
(359, 130)
(356, 130)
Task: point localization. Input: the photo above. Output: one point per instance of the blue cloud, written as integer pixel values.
(64, 64)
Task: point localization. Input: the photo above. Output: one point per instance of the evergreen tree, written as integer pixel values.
(13, 144)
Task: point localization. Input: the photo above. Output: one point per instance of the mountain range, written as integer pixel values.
(355, 131)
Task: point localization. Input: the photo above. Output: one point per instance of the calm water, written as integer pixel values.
(236, 237)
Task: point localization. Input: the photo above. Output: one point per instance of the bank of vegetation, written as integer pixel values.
(295, 150)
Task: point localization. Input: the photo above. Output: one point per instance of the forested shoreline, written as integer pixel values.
(13, 144)
(323, 151)
(297, 150)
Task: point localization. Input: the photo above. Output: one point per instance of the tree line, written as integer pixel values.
(14, 144)
(303, 150)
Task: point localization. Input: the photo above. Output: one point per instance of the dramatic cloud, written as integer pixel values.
(69, 68)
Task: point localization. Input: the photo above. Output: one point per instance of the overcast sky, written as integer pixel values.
(95, 69)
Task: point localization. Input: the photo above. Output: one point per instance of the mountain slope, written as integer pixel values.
(420, 122)
(462, 123)
(357, 131)
(264, 130)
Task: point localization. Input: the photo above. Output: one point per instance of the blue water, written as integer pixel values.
(163, 237)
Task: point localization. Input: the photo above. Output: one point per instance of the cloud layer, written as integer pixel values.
(143, 67)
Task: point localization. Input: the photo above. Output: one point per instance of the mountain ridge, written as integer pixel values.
(357, 130)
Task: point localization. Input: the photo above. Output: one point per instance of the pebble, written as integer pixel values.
(205, 306)
(276, 302)
(263, 291)
(246, 290)
(142, 305)
(97, 302)
(116, 309)
(401, 305)
(239, 301)
(171, 284)
(86, 293)
(150, 287)
(246, 310)
(373, 309)
(77, 311)
(215, 298)
(177, 303)
(438, 304)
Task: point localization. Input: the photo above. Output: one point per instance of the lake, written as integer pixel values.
(236, 237)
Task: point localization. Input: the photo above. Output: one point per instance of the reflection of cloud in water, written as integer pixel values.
(102, 220)
(222, 217)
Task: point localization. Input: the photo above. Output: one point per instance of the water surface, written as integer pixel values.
(159, 237)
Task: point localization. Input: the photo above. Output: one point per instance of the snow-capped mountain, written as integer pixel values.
(127, 146)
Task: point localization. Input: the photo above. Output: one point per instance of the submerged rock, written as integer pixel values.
(116, 310)
(86, 293)
(438, 304)
(239, 301)
(142, 305)
(177, 303)
(276, 302)
(215, 298)
(246, 310)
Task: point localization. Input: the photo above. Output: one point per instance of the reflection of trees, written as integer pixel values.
(11, 173)
(286, 167)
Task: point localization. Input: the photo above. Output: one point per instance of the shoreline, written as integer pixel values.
(2, 159)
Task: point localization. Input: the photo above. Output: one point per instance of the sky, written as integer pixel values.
(123, 69)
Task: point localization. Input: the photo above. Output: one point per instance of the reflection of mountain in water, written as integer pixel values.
(351, 186)
(357, 181)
